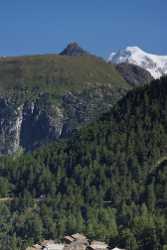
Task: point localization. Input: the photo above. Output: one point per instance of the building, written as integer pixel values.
(76, 245)
(76, 242)
(78, 236)
(68, 239)
(116, 248)
(72, 242)
(34, 247)
(51, 245)
(98, 245)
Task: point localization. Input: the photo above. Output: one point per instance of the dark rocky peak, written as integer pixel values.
(73, 49)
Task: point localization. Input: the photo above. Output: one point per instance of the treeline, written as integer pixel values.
(108, 181)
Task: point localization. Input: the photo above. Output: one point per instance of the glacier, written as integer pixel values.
(155, 64)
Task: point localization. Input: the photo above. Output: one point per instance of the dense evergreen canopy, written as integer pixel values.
(109, 180)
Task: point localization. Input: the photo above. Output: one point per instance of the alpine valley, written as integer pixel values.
(83, 145)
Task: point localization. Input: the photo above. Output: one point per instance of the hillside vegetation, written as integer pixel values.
(56, 74)
(103, 181)
(45, 97)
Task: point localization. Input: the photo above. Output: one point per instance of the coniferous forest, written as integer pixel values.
(108, 180)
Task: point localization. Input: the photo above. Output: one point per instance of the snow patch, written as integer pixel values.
(155, 64)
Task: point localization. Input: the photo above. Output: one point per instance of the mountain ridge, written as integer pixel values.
(44, 97)
(155, 64)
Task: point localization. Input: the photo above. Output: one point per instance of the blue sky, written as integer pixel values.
(100, 26)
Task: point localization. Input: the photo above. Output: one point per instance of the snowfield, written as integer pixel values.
(155, 64)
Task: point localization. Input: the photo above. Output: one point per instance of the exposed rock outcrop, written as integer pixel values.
(73, 49)
(11, 118)
(43, 98)
(134, 74)
(30, 124)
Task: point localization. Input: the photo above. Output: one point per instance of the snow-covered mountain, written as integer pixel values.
(155, 64)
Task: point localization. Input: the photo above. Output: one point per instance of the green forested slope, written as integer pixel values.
(108, 180)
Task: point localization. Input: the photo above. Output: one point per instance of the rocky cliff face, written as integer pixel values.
(10, 126)
(27, 126)
(133, 74)
(43, 98)
(40, 126)
(31, 124)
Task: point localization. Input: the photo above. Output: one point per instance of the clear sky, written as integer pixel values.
(100, 26)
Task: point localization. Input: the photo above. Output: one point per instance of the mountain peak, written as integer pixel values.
(155, 64)
(133, 49)
(73, 49)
